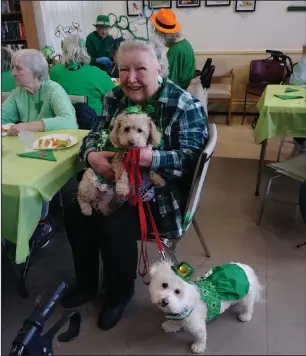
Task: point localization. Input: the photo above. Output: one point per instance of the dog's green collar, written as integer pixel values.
(179, 316)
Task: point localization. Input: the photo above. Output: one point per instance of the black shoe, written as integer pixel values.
(76, 297)
(110, 314)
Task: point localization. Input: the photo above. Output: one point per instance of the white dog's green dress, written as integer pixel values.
(226, 282)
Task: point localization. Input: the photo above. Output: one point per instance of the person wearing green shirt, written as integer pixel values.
(38, 103)
(77, 77)
(99, 44)
(181, 57)
(7, 79)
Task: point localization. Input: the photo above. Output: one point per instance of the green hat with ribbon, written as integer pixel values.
(102, 20)
(184, 270)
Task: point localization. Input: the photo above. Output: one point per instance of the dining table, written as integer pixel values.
(28, 182)
(282, 112)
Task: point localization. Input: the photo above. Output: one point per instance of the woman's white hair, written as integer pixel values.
(6, 58)
(155, 47)
(74, 50)
(168, 38)
(34, 61)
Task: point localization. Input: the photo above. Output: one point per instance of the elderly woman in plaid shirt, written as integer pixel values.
(181, 118)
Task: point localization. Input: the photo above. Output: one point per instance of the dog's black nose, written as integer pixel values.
(131, 143)
(164, 302)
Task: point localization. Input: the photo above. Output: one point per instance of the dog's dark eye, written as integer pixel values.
(127, 129)
(177, 291)
(165, 285)
(139, 130)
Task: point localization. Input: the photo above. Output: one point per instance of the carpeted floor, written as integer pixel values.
(226, 216)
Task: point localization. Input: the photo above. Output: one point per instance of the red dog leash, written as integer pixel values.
(131, 165)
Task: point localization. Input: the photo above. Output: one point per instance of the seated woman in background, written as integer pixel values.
(37, 104)
(78, 77)
(7, 79)
(181, 57)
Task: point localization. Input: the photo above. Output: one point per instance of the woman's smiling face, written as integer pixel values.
(138, 74)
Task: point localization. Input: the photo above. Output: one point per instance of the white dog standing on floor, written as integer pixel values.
(190, 305)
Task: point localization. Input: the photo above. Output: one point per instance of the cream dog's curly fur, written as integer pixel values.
(172, 295)
(129, 131)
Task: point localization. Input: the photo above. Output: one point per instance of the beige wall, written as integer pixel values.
(239, 61)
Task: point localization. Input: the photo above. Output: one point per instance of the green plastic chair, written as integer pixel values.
(294, 168)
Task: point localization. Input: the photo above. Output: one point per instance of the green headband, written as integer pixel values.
(138, 109)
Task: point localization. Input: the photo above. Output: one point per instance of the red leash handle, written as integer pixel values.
(131, 165)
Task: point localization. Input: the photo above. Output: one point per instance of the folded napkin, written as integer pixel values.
(291, 90)
(288, 97)
(46, 155)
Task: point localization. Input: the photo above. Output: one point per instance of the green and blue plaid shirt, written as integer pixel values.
(182, 120)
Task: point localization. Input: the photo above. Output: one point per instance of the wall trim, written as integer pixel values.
(242, 52)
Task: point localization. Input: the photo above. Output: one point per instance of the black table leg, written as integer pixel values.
(261, 163)
(23, 271)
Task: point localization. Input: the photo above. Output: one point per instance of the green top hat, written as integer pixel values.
(184, 270)
(102, 20)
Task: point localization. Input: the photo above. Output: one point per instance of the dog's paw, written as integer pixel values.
(86, 209)
(245, 316)
(122, 189)
(198, 347)
(171, 327)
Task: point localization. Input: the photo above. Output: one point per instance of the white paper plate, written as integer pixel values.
(5, 126)
(73, 141)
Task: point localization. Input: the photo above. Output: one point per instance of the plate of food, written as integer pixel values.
(55, 142)
(4, 129)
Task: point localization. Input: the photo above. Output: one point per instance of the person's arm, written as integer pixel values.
(192, 136)
(90, 142)
(91, 50)
(105, 83)
(9, 110)
(64, 112)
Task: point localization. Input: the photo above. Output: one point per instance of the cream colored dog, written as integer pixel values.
(129, 131)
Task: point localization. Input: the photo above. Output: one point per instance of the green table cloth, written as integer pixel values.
(27, 182)
(280, 117)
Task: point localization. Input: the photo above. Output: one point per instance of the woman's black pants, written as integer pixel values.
(115, 237)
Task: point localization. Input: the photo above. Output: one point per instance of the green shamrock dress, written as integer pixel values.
(226, 282)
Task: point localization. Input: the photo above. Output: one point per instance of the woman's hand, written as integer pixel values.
(13, 130)
(36, 126)
(146, 155)
(100, 164)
